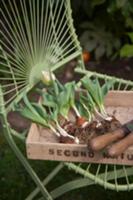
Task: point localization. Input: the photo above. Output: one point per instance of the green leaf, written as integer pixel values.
(66, 98)
(70, 91)
(95, 92)
(60, 86)
(99, 92)
(126, 51)
(106, 87)
(97, 2)
(91, 101)
(62, 99)
(54, 114)
(112, 7)
(41, 110)
(129, 22)
(130, 34)
(48, 100)
(56, 88)
(86, 82)
(121, 3)
(29, 106)
(64, 110)
(82, 111)
(27, 113)
(93, 89)
(87, 100)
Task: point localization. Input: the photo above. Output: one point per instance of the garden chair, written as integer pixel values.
(35, 36)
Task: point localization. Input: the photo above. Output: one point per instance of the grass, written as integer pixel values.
(15, 183)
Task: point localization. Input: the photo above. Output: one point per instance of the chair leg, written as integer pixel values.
(46, 181)
(23, 160)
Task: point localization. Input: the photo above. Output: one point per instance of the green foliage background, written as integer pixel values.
(102, 25)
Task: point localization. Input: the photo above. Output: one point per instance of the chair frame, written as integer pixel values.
(87, 178)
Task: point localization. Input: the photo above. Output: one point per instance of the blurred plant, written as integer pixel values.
(96, 38)
(127, 49)
(126, 9)
(101, 25)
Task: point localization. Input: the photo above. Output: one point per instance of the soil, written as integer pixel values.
(89, 131)
(119, 68)
(122, 68)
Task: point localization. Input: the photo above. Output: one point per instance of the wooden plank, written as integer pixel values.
(33, 135)
(119, 98)
(76, 153)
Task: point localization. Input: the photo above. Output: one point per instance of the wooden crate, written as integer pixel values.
(43, 145)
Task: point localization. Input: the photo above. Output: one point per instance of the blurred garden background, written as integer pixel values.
(105, 31)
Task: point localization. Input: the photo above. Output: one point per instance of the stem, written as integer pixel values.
(66, 118)
(54, 130)
(86, 108)
(76, 111)
(103, 115)
(103, 111)
(63, 132)
(99, 114)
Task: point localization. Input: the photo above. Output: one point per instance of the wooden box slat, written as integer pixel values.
(43, 145)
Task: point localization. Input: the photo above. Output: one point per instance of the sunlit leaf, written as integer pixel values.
(126, 51)
(130, 34)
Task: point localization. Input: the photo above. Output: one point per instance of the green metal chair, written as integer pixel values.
(39, 36)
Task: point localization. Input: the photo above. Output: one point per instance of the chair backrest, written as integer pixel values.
(35, 36)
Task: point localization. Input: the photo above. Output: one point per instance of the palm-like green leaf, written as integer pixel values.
(40, 110)
(36, 118)
(96, 92)
(48, 100)
(106, 87)
(93, 88)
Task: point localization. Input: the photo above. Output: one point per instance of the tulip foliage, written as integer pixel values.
(58, 100)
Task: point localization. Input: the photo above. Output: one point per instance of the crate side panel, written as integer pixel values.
(76, 154)
(119, 98)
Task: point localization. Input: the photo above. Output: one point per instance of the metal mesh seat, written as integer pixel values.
(35, 36)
